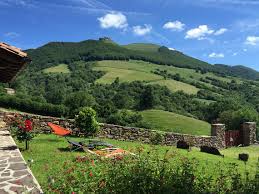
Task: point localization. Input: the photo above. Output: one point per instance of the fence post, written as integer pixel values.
(249, 133)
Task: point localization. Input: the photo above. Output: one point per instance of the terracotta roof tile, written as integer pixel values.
(12, 49)
(12, 60)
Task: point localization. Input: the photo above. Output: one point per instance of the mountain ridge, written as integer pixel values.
(104, 49)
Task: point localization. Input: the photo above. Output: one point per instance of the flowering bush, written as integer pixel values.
(22, 129)
(147, 173)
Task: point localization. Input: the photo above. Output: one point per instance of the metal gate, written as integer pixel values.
(233, 138)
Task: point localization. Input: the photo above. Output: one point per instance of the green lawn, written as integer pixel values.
(168, 121)
(48, 153)
(61, 68)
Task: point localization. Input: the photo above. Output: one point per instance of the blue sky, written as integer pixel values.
(217, 31)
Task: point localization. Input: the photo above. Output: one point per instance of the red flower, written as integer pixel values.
(90, 174)
(28, 125)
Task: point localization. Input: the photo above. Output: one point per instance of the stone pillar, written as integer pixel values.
(218, 130)
(249, 133)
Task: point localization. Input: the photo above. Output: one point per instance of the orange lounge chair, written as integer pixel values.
(58, 130)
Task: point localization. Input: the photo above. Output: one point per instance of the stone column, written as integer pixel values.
(249, 133)
(218, 130)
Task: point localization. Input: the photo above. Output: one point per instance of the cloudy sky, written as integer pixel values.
(217, 31)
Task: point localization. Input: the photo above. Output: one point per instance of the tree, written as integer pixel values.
(148, 99)
(125, 118)
(234, 119)
(122, 100)
(77, 100)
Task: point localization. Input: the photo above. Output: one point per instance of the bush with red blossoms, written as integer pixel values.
(22, 129)
(148, 173)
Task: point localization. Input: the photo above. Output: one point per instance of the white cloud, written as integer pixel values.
(216, 55)
(172, 49)
(220, 31)
(142, 30)
(233, 2)
(235, 54)
(198, 33)
(24, 3)
(92, 4)
(11, 35)
(113, 20)
(174, 26)
(252, 40)
(245, 50)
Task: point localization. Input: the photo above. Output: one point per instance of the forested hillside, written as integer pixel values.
(120, 82)
(93, 50)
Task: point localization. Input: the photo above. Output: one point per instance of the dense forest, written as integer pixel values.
(63, 94)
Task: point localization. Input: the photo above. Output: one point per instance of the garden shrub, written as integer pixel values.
(148, 173)
(22, 129)
(156, 138)
(86, 121)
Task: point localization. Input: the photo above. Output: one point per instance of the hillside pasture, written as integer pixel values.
(133, 70)
(172, 122)
(142, 47)
(61, 68)
(129, 71)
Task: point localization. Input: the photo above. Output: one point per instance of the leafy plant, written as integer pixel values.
(156, 138)
(126, 118)
(148, 173)
(22, 129)
(86, 121)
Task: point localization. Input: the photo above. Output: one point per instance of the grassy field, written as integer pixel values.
(49, 153)
(133, 70)
(142, 47)
(62, 68)
(141, 71)
(168, 121)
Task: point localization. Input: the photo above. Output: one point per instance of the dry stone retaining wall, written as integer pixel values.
(217, 138)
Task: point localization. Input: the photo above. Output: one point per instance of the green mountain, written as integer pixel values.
(239, 71)
(123, 82)
(90, 50)
(105, 49)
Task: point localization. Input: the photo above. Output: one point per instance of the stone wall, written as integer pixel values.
(217, 138)
(167, 138)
